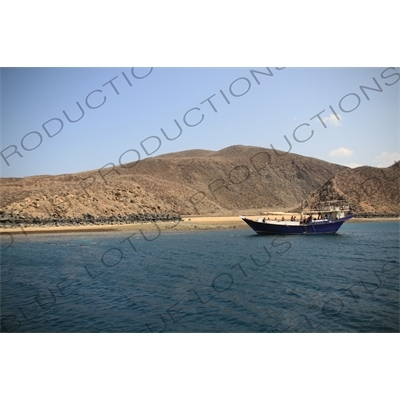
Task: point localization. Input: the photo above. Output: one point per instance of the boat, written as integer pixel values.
(326, 217)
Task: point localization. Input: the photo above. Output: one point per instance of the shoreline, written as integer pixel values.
(187, 224)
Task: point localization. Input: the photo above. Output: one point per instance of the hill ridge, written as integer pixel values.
(192, 182)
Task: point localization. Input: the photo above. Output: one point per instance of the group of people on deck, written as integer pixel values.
(307, 220)
(292, 218)
(302, 221)
(311, 219)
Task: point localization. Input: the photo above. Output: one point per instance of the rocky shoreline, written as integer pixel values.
(85, 220)
(376, 215)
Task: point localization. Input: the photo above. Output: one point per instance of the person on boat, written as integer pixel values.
(283, 218)
(264, 220)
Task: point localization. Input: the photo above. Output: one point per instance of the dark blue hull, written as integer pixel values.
(280, 228)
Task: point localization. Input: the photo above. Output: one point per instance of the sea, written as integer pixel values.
(202, 281)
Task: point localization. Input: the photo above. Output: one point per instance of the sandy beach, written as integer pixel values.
(187, 224)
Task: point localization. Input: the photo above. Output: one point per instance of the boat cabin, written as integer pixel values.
(327, 211)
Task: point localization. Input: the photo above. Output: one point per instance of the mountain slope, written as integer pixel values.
(188, 183)
(370, 191)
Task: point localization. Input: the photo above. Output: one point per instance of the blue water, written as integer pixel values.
(215, 281)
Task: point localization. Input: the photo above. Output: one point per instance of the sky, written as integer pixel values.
(124, 112)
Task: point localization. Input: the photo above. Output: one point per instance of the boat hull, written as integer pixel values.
(280, 228)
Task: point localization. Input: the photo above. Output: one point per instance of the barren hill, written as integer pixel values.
(371, 192)
(194, 182)
(200, 182)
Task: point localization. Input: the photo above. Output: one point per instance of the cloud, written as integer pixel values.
(332, 120)
(353, 165)
(341, 152)
(386, 159)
